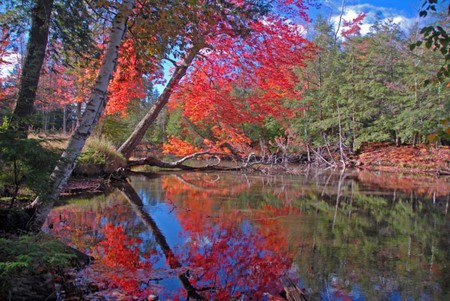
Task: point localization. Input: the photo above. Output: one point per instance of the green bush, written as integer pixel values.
(99, 156)
(30, 250)
(32, 253)
(24, 163)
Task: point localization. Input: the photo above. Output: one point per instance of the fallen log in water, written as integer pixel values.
(180, 164)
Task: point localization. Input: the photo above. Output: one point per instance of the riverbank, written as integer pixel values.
(421, 159)
(406, 168)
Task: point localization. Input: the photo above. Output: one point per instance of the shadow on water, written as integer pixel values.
(224, 236)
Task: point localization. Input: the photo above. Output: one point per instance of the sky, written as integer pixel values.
(403, 12)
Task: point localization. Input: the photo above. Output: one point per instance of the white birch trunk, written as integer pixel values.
(91, 115)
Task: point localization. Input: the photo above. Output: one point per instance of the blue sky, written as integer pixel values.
(403, 12)
(409, 8)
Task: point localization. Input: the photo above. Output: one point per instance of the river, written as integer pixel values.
(233, 236)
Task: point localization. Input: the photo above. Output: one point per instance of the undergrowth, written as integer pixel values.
(32, 253)
(99, 153)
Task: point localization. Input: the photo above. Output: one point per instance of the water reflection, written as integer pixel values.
(232, 236)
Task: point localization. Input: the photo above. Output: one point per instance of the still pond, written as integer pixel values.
(232, 236)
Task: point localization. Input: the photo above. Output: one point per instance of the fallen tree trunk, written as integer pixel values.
(179, 164)
(152, 161)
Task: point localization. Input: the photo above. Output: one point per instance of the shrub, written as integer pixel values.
(99, 156)
(30, 253)
(24, 163)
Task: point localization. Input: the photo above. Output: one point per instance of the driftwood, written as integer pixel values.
(443, 172)
(179, 164)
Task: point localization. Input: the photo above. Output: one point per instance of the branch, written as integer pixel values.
(172, 61)
(322, 158)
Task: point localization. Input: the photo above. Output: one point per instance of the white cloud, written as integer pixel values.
(374, 13)
(11, 61)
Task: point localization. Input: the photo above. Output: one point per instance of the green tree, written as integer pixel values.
(436, 36)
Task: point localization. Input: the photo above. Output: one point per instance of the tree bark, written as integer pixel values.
(36, 47)
(136, 137)
(92, 113)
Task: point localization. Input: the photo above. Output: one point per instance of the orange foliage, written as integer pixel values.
(406, 158)
(127, 83)
(178, 147)
(244, 80)
(119, 259)
(239, 252)
(55, 88)
(386, 156)
(119, 264)
(118, 249)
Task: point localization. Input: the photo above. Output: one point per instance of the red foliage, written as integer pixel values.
(127, 83)
(55, 88)
(119, 266)
(4, 42)
(353, 27)
(7, 82)
(118, 258)
(244, 80)
(239, 253)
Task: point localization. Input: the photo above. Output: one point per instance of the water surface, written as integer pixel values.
(230, 235)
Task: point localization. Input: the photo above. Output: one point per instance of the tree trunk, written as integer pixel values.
(91, 115)
(135, 138)
(77, 123)
(37, 44)
(64, 125)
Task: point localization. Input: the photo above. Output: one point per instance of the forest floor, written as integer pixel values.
(422, 169)
(404, 159)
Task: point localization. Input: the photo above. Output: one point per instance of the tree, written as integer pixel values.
(37, 45)
(243, 80)
(97, 102)
(217, 24)
(436, 37)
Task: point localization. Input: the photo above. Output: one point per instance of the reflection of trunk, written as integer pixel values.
(137, 205)
(92, 113)
(135, 138)
(338, 196)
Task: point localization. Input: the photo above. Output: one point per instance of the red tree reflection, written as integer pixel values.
(228, 252)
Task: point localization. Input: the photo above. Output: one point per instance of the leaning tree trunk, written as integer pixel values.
(37, 44)
(92, 113)
(135, 138)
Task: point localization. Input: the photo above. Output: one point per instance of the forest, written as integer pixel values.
(100, 88)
